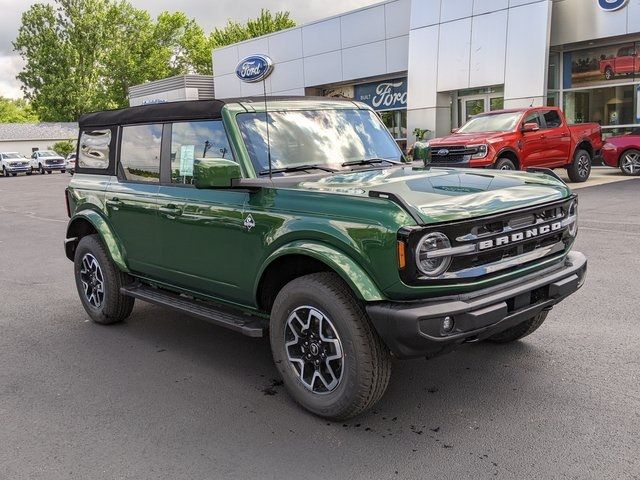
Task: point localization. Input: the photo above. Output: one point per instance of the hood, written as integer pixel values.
(465, 138)
(445, 194)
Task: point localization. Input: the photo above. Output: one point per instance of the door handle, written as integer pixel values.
(170, 210)
(114, 203)
(542, 137)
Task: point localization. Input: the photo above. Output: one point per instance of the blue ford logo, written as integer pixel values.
(611, 5)
(254, 68)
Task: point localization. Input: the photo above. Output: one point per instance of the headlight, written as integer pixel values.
(428, 259)
(572, 216)
(482, 151)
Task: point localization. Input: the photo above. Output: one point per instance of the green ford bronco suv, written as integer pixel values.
(312, 228)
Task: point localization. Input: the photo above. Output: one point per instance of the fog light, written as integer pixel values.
(447, 324)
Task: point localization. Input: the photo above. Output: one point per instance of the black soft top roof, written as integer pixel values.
(172, 111)
(158, 112)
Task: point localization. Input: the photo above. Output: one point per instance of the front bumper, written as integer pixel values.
(60, 166)
(414, 329)
(11, 169)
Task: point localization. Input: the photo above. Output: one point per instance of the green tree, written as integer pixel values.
(84, 55)
(64, 147)
(265, 23)
(16, 111)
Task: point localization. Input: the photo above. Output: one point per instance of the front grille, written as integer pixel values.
(452, 154)
(53, 162)
(497, 243)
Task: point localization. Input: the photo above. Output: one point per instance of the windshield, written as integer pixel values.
(47, 153)
(326, 138)
(12, 155)
(495, 122)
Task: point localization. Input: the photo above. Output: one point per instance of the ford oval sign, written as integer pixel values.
(254, 68)
(611, 5)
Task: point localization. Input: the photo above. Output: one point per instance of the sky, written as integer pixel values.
(208, 13)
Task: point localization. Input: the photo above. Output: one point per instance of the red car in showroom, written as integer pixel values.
(623, 151)
(518, 139)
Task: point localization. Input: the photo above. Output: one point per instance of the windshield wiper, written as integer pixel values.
(370, 161)
(298, 168)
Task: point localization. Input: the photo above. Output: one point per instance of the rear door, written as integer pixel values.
(131, 198)
(556, 139)
(201, 231)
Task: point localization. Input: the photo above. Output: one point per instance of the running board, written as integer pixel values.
(245, 324)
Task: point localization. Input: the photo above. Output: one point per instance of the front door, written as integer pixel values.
(532, 144)
(131, 200)
(202, 231)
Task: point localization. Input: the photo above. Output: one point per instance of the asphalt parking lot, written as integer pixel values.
(164, 396)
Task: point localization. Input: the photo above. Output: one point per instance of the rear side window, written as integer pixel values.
(94, 149)
(552, 119)
(192, 140)
(140, 152)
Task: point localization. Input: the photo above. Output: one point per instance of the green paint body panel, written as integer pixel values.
(209, 250)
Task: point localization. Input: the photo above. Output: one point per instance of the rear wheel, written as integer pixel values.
(332, 361)
(519, 331)
(504, 164)
(630, 162)
(580, 168)
(608, 73)
(99, 281)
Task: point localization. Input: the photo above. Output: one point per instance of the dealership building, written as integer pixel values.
(432, 64)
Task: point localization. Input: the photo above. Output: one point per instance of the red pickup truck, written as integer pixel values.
(626, 61)
(518, 139)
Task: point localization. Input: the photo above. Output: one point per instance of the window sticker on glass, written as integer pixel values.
(187, 155)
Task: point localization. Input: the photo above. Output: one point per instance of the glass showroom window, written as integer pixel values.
(609, 107)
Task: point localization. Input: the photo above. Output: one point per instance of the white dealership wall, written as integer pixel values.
(442, 46)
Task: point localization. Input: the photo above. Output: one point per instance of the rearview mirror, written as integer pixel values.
(215, 172)
(530, 127)
(454, 130)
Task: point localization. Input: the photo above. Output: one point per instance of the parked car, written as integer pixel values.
(47, 161)
(71, 163)
(623, 151)
(14, 163)
(521, 138)
(626, 61)
(320, 235)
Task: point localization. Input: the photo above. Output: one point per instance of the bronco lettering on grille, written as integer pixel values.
(518, 236)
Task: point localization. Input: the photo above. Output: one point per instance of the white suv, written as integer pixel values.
(47, 161)
(14, 163)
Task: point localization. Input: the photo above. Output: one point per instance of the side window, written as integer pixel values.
(140, 152)
(192, 140)
(552, 119)
(94, 149)
(533, 118)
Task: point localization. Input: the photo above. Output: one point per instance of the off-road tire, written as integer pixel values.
(579, 172)
(504, 164)
(366, 367)
(521, 330)
(115, 306)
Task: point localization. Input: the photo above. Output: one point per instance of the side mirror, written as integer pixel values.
(454, 130)
(215, 172)
(530, 127)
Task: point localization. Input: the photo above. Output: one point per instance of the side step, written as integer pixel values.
(245, 324)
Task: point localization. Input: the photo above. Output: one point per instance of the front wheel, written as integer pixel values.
(99, 281)
(504, 164)
(521, 330)
(41, 169)
(63, 171)
(630, 162)
(4, 172)
(580, 168)
(331, 359)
